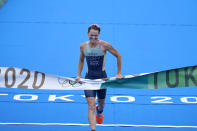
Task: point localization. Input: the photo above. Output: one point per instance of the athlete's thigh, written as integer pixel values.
(101, 93)
(90, 93)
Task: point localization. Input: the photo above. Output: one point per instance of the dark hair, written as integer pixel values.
(95, 27)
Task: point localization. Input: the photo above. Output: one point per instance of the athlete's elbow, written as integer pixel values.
(119, 56)
(81, 62)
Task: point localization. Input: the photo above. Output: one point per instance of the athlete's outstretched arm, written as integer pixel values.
(117, 55)
(81, 63)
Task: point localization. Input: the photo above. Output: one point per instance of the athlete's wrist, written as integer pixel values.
(78, 78)
(118, 76)
(119, 73)
(79, 75)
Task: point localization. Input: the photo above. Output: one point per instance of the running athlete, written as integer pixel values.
(94, 51)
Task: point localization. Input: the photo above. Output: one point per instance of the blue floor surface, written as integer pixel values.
(174, 107)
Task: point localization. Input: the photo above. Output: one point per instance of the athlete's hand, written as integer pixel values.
(78, 78)
(135, 75)
(118, 76)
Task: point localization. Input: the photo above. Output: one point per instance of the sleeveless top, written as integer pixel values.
(95, 58)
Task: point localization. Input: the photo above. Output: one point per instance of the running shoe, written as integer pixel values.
(99, 116)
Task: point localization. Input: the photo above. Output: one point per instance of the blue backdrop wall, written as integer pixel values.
(151, 35)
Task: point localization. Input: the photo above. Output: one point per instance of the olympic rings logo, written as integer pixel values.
(66, 83)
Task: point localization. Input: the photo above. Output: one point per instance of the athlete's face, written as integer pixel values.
(93, 36)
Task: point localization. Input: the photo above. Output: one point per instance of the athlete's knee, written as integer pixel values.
(91, 107)
(101, 101)
(91, 103)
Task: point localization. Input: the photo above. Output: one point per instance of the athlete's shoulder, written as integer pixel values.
(83, 45)
(105, 44)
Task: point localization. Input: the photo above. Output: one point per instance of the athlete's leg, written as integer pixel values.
(101, 102)
(91, 100)
(101, 99)
(91, 112)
